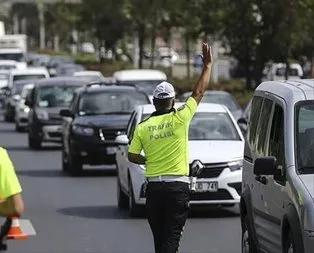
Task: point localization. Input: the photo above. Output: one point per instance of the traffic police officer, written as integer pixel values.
(11, 202)
(163, 138)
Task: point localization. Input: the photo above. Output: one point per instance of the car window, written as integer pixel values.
(55, 96)
(28, 77)
(282, 72)
(263, 126)
(26, 91)
(110, 102)
(17, 88)
(276, 139)
(255, 112)
(304, 145)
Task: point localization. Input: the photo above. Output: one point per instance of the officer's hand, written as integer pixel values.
(207, 55)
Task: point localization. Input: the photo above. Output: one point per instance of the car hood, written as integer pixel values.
(308, 181)
(216, 151)
(104, 121)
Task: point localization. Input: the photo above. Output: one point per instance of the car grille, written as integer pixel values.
(55, 117)
(221, 194)
(55, 135)
(212, 170)
(109, 134)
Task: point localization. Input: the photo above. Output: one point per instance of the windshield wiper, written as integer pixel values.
(307, 169)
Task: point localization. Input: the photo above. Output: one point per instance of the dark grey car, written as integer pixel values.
(45, 101)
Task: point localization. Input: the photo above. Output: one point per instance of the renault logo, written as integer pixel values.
(197, 166)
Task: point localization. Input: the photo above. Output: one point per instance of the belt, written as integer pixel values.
(184, 179)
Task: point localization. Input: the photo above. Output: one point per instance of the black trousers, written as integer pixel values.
(167, 205)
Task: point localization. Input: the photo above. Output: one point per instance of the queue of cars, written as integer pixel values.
(93, 118)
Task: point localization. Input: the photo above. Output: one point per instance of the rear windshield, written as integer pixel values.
(111, 102)
(28, 77)
(55, 96)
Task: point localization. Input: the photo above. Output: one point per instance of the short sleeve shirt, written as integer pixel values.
(9, 183)
(164, 140)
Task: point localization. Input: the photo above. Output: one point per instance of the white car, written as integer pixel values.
(27, 74)
(144, 79)
(90, 75)
(215, 140)
(22, 110)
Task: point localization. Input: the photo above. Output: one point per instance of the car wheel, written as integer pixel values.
(248, 245)
(75, 165)
(123, 200)
(135, 209)
(65, 161)
(33, 143)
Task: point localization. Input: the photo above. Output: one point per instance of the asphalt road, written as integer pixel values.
(80, 215)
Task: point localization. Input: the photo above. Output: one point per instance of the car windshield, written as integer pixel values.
(14, 57)
(119, 102)
(25, 92)
(145, 86)
(210, 126)
(28, 77)
(18, 87)
(282, 72)
(6, 67)
(305, 136)
(55, 96)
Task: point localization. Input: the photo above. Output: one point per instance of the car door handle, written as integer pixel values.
(261, 179)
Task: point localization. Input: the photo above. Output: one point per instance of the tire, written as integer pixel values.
(289, 245)
(134, 209)
(33, 143)
(18, 128)
(75, 165)
(122, 198)
(247, 245)
(65, 164)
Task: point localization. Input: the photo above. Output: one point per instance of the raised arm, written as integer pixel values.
(202, 83)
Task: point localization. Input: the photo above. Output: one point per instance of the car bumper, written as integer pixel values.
(228, 193)
(308, 240)
(94, 153)
(21, 118)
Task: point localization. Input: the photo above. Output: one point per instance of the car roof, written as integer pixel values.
(95, 88)
(38, 70)
(139, 74)
(291, 91)
(61, 81)
(11, 62)
(202, 107)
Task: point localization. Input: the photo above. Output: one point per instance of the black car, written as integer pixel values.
(45, 101)
(97, 115)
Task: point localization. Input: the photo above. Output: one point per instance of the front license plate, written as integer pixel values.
(111, 150)
(206, 187)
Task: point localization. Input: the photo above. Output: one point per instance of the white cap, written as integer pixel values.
(164, 90)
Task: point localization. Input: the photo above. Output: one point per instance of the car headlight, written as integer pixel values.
(42, 115)
(236, 165)
(81, 130)
(25, 109)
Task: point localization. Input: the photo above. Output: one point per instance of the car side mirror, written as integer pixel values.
(122, 139)
(66, 113)
(242, 121)
(265, 166)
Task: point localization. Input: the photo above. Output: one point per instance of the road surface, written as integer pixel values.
(80, 215)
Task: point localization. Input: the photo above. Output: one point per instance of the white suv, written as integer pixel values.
(215, 140)
(277, 208)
